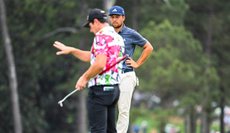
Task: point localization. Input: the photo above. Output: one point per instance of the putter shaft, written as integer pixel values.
(60, 102)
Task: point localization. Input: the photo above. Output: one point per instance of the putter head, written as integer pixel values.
(60, 103)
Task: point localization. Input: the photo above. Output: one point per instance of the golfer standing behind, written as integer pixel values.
(128, 77)
(107, 48)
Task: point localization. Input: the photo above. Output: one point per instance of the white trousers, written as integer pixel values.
(127, 85)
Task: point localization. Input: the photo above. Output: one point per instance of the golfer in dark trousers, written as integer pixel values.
(107, 48)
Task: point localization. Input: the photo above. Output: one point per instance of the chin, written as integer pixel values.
(116, 26)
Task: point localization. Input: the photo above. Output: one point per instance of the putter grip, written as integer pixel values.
(124, 57)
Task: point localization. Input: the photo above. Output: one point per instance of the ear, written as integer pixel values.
(96, 21)
(123, 18)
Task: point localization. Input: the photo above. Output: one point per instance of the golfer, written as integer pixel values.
(128, 77)
(107, 48)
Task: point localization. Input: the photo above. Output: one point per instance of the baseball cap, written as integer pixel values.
(117, 10)
(95, 14)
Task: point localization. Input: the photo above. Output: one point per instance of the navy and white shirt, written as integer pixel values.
(131, 39)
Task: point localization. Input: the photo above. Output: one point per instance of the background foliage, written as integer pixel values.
(175, 71)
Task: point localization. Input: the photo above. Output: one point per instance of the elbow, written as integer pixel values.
(101, 66)
(150, 48)
(100, 62)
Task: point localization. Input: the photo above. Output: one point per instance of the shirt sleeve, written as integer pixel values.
(138, 39)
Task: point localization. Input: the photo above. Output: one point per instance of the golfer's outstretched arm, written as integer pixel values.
(80, 54)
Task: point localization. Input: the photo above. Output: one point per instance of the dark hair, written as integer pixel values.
(101, 21)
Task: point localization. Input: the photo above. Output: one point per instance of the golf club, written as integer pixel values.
(61, 101)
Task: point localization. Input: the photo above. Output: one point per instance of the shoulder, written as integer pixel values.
(128, 30)
(131, 36)
(131, 32)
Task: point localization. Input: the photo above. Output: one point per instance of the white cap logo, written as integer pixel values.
(114, 10)
(88, 17)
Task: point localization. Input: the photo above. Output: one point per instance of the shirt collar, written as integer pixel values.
(123, 28)
(104, 29)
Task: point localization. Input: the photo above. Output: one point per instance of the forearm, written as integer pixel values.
(145, 54)
(96, 67)
(92, 71)
(80, 54)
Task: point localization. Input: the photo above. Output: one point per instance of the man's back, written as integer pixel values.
(109, 43)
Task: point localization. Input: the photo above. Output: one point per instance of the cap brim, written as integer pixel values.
(115, 14)
(86, 25)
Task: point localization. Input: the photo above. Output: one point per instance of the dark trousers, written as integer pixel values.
(101, 106)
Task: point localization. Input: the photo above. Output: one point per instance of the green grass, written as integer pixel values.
(153, 125)
(158, 117)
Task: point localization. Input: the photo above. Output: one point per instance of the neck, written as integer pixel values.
(104, 25)
(101, 26)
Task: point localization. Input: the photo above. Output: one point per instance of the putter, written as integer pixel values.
(124, 57)
(61, 102)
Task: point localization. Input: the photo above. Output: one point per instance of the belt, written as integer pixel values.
(127, 70)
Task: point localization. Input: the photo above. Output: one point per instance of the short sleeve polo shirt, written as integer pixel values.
(131, 38)
(109, 43)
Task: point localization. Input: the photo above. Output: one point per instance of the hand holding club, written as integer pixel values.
(81, 83)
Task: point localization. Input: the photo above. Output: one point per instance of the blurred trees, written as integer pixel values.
(40, 72)
(176, 68)
(206, 20)
(190, 61)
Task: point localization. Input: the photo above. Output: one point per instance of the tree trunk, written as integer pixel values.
(209, 38)
(134, 15)
(205, 123)
(107, 4)
(222, 104)
(81, 98)
(187, 124)
(190, 123)
(193, 122)
(82, 125)
(12, 71)
(81, 112)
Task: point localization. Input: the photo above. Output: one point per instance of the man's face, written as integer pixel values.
(116, 20)
(93, 27)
